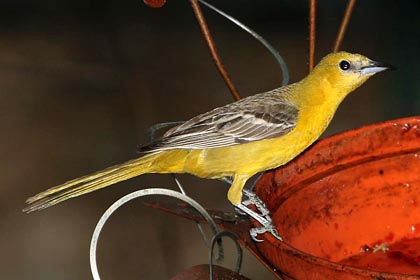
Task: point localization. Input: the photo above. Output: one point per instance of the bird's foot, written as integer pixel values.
(254, 199)
(263, 217)
(255, 231)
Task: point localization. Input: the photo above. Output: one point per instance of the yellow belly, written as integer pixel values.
(249, 158)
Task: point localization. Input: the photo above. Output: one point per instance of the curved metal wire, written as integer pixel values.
(137, 194)
(277, 56)
(156, 127)
(235, 239)
(199, 226)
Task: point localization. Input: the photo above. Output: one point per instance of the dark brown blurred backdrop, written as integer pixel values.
(81, 81)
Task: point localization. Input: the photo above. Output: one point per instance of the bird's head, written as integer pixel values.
(346, 71)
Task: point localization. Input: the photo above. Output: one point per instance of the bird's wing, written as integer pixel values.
(262, 116)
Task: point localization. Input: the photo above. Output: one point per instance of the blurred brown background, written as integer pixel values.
(81, 82)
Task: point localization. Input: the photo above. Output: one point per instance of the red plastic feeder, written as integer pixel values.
(348, 208)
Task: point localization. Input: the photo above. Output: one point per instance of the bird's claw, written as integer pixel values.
(255, 231)
(254, 199)
(263, 217)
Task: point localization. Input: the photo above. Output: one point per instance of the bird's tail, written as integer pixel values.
(92, 182)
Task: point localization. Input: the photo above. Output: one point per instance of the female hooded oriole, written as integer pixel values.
(240, 139)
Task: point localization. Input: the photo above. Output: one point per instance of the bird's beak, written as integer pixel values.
(375, 67)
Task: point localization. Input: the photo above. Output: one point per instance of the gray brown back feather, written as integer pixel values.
(261, 116)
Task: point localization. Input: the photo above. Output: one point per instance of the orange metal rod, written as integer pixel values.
(344, 25)
(212, 47)
(312, 26)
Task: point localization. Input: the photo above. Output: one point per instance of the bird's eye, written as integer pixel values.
(344, 65)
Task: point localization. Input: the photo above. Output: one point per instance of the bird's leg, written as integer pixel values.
(228, 180)
(235, 194)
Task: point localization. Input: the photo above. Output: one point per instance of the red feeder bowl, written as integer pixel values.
(348, 207)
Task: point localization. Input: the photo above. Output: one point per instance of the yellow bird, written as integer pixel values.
(240, 139)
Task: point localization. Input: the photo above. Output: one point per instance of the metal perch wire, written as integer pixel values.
(235, 238)
(158, 191)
